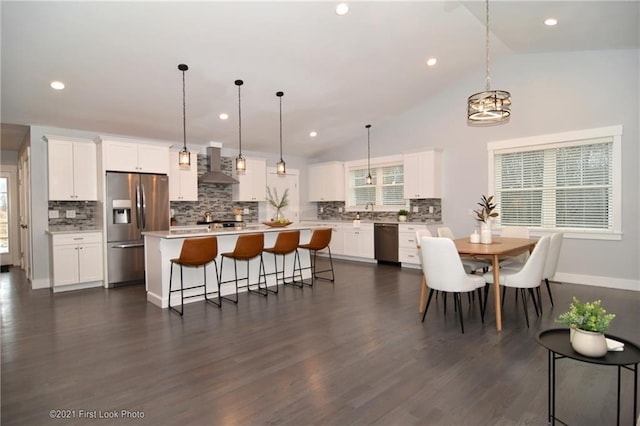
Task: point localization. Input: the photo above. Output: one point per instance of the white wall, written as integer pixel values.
(551, 93)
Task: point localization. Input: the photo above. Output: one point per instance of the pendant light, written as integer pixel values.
(241, 163)
(184, 157)
(281, 167)
(369, 179)
(491, 106)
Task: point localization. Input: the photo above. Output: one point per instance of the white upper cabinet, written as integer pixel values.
(252, 184)
(72, 169)
(326, 182)
(422, 174)
(183, 183)
(125, 156)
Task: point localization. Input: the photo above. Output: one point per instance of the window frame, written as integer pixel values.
(376, 162)
(571, 138)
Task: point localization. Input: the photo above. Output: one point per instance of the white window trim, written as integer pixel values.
(388, 160)
(565, 138)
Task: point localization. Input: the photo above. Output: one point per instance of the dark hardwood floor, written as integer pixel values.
(350, 353)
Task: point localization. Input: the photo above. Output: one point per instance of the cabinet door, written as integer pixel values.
(121, 156)
(316, 184)
(85, 177)
(366, 243)
(411, 176)
(351, 242)
(89, 262)
(422, 172)
(183, 183)
(153, 159)
(337, 239)
(60, 164)
(65, 265)
(334, 182)
(252, 184)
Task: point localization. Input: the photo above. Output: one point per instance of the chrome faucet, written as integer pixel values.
(366, 207)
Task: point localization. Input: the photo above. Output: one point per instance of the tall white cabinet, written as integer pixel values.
(252, 184)
(326, 182)
(183, 183)
(72, 169)
(423, 174)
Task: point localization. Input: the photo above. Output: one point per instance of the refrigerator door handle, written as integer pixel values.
(144, 207)
(138, 207)
(124, 246)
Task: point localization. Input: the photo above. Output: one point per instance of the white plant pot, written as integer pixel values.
(402, 218)
(589, 343)
(486, 236)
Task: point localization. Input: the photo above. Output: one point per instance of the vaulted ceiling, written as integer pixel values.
(119, 62)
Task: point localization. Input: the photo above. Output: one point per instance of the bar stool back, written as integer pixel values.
(195, 252)
(286, 243)
(320, 239)
(247, 248)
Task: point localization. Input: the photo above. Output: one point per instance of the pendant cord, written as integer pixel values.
(368, 149)
(487, 40)
(184, 115)
(239, 123)
(280, 128)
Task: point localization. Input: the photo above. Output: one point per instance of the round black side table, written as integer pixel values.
(556, 340)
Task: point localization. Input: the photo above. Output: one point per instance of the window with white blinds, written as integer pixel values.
(571, 185)
(387, 188)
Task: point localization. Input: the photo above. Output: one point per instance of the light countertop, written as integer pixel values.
(206, 232)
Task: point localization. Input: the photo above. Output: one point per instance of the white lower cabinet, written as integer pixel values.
(358, 242)
(407, 244)
(76, 260)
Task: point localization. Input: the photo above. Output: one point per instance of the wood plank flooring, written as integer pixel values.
(349, 353)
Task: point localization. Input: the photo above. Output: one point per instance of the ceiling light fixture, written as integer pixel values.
(432, 61)
(491, 106)
(224, 116)
(313, 134)
(369, 179)
(184, 156)
(281, 167)
(342, 9)
(57, 85)
(550, 22)
(241, 163)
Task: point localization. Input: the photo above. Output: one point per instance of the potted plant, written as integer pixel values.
(402, 215)
(278, 203)
(588, 322)
(485, 215)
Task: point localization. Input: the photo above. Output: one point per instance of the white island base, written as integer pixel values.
(162, 246)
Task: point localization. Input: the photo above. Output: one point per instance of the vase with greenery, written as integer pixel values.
(485, 215)
(588, 322)
(402, 215)
(278, 203)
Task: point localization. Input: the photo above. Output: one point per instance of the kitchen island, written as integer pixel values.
(162, 246)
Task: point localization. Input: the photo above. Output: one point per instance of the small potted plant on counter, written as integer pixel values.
(402, 215)
(588, 322)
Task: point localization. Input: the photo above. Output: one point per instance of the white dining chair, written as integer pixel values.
(515, 232)
(551, 263)
(423, 288)
(471, 264)
(443, 271)
(526, 278)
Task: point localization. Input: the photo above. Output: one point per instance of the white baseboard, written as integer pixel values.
(40, 283)
(157, 300)
(608, 282)
(80, 286)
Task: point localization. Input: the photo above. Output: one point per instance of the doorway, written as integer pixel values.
(9, 242)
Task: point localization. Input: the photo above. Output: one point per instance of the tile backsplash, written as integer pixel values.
(85, 212)
(332, 211)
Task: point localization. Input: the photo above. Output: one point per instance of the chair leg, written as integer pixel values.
(480, 304)
(458, 300)
(426, 306)
(444, 298)
(535, 304)
(275, 264)
(524, 304)
(235, 269)
(486, 297)
(504, 292)
(261, 272)
(173, 308)
(207, 299)
(299, 284)
(549, 290)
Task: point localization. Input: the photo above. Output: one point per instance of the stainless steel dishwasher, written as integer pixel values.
(385, 237)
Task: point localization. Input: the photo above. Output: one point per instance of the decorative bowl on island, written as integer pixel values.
(276, 224)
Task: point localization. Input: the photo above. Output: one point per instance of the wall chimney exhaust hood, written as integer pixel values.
(214, 174)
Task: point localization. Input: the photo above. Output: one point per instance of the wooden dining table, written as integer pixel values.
(500, 248)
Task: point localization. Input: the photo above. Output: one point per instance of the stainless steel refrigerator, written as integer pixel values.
(136, 202)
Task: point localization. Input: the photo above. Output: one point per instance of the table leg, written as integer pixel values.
(549, 355)
(552, 395)
(423, 294)
(618, 402)
(496, 292)
(635, 391)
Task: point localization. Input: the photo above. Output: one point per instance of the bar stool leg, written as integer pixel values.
(261, 271)
(227, 298)
(293, 282)
(207, 299)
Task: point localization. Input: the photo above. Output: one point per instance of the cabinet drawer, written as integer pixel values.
(409, 255)
(407, 240)
(82, 238)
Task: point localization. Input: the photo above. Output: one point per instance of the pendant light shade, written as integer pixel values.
(281, 167)
(184, 157)
(369, 179)
(241, 163)
(489, 107)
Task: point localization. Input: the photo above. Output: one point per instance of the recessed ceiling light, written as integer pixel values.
(224, 116)
(313, 134)
(432, 61)
(550, 22)
(58, 85)
(342, 9)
